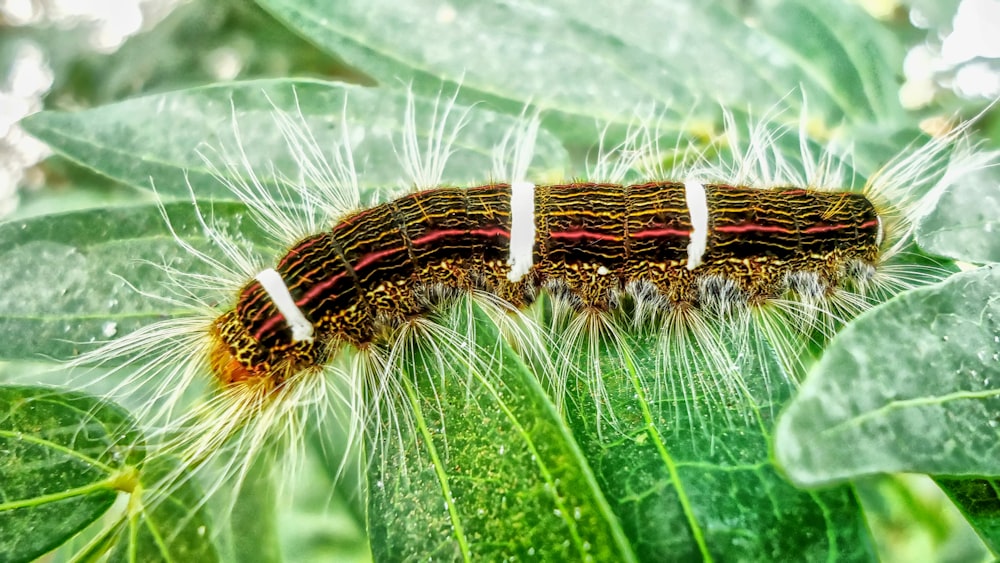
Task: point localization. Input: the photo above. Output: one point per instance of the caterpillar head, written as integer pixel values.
(236, 356)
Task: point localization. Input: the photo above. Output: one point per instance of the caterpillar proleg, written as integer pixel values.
(695, 290)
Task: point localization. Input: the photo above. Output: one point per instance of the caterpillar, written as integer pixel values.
(698, 264)
(701, 253)
(693, 245)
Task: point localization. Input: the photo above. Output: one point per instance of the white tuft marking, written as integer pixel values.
(522, 230)
(880, 233)
(276, 289)
(603, 271)
(697, 204)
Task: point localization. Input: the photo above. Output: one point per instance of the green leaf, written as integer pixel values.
(474, 462)
(602, 62)
(965, 222)
(168, 521)
(979, 501)
(157, 138)
(66, 456)
(684, 458)
(94, 264)
(914, 385)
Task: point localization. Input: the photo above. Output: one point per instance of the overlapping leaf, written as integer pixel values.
(165, 527)
(912, 386)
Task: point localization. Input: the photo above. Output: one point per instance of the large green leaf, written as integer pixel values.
(475, 463)
(602, 61)
(686, 476)
(683, 454)
(73, 280)
(157, 138)
(66, 456)
(912, 386)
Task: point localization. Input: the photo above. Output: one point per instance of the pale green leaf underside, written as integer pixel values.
(255, 512)
(74, 280)
(965, 225)
(170, 140)
(912, 386)
(600, 62)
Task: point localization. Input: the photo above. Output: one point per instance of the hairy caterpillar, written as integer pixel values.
(715, 252)
(746, 246)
